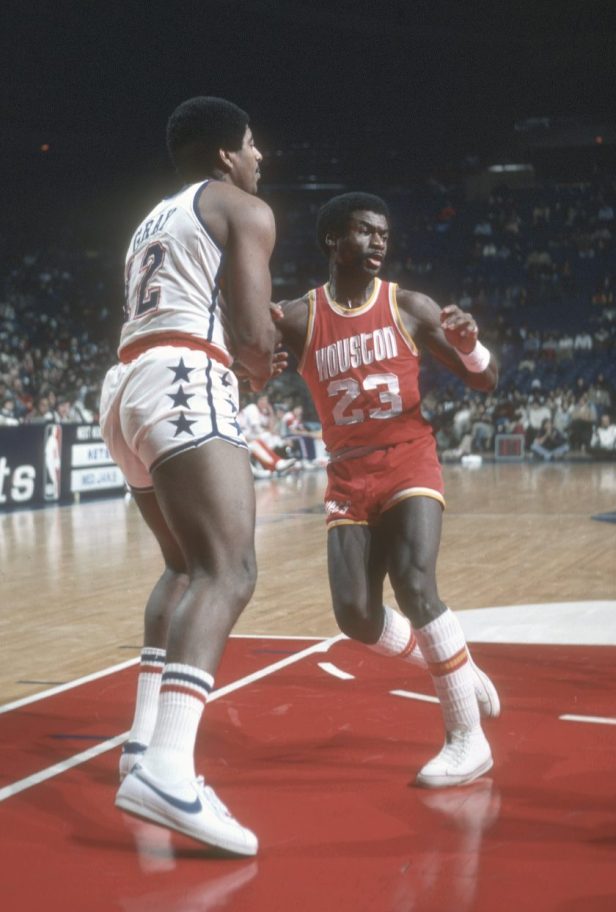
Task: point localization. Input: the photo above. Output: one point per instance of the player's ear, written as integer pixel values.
(225, 159)
(330, 240)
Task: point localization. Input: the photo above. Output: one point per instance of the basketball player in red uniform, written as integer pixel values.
(358, 341)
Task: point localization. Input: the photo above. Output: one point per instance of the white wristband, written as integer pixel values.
(476, 361)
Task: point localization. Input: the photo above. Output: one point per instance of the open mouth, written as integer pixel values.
(374, 262)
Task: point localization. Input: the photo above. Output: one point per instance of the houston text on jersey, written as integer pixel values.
(355, 351)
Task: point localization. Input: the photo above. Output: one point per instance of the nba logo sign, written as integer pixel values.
(52, 461)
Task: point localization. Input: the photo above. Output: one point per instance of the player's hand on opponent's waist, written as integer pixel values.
(280, 362)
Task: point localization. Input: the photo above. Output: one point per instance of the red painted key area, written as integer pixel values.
(322, 769)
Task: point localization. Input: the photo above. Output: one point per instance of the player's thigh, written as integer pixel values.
(356, 565)
(207, 497)
(412, 530)
(150, 510)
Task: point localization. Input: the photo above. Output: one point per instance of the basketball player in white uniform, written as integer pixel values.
(168, 416)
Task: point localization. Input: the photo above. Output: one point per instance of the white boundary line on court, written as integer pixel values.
(112, 669)
(411, 695)
(24, 701)
(596, 720)
(36, 778)
(336, 672)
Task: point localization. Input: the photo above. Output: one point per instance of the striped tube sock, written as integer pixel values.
(444, 646)
(397, 639)
(183, 694)
(146, 702)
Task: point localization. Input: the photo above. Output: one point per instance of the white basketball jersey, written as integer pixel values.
(172, 275)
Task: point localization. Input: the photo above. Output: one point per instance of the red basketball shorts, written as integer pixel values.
(360, 490)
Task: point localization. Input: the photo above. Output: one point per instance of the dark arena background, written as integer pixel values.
(489, 128)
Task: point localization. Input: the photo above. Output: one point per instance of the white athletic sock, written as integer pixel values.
(148, 687)
(183, 694)
(444, 647)
(397, 639)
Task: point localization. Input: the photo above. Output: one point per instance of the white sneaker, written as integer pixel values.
(465, 756)
(284, 465)
(259, 472)
(132, 753)
(190, 807)
(486, 693)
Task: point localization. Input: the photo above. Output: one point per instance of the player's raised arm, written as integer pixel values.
(451, 335)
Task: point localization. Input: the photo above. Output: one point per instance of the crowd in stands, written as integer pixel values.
(57, 334)
(535, 266)
(278, 437)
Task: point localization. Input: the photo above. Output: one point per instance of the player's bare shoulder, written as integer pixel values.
(296, 308)
(227, 209)
(419, 312)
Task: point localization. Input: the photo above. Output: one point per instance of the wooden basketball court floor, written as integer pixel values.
(312, 740)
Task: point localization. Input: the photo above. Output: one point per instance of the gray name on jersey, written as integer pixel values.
(354, 351)
(151, 227)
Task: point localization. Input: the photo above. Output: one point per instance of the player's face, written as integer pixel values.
(245, 172)
(364, 244)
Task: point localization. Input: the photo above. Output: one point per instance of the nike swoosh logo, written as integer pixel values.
(189, 807)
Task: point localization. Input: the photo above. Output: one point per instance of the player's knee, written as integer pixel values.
(230, 580)
(175, 566)
(417, 596)
(357, 619)
(241, 580)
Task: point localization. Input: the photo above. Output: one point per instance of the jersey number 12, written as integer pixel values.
(148, 295)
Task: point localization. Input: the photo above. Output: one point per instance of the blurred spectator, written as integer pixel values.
(562, 413)
(538, 413)
(583, 417)
(65, 413)
(582, 341)
(482, 429)
(600, 394)
(296, 432)
(603, 441)
(7, 413)
(549, 444)
(41, 412)
(462, 420)
(260, 428)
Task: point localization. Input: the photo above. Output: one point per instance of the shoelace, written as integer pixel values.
(213, 798)
(456, 747)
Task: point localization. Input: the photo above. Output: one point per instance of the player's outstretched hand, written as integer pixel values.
(459, 327)
(280, 362)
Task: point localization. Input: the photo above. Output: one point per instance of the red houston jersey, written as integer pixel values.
(362, 369)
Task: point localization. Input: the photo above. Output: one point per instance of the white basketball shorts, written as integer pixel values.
(168, 400)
